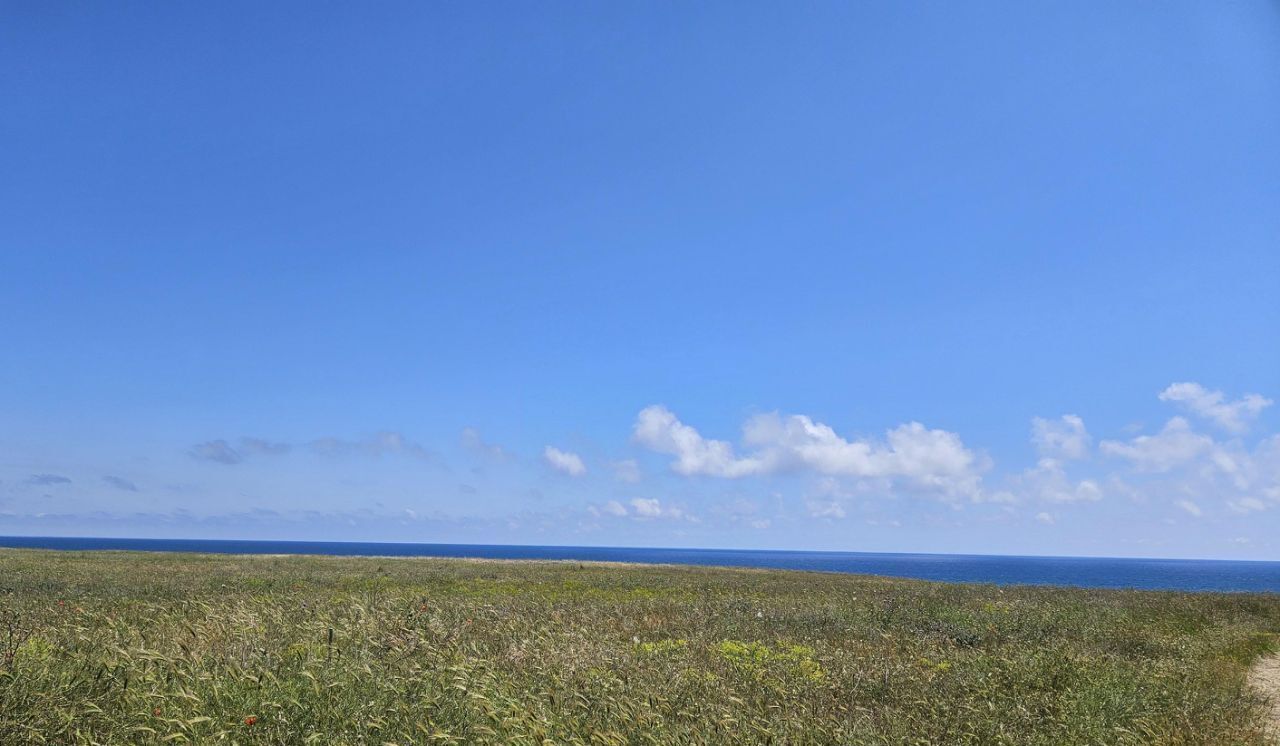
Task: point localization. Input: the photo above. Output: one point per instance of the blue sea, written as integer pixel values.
(1087, 572)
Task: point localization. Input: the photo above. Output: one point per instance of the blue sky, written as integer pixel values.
(985, 277)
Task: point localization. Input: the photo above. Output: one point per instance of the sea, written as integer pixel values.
(1085, 572)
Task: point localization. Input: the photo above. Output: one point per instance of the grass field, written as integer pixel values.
(135, 648)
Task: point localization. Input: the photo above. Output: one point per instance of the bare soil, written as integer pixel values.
(1265, 678)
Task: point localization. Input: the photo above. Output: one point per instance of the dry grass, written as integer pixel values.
(135, 648)
(1265, 678)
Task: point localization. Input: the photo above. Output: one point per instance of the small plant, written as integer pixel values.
(662, 647)
(762, 661)
(14, 633)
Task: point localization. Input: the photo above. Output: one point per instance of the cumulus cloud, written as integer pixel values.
(47, 480)
(1232, 416)
(933, 459)
(218, 451)
(564, 462)
(120, 483)
(1230, 474)
(1201, 473)
(1178, 460)
(657, 429)
(1047, 481)
(1063, 438)
(1176, 444)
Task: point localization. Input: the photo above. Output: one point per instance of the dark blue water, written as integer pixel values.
(1089, 572)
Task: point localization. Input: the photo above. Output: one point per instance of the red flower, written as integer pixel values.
(251, 720)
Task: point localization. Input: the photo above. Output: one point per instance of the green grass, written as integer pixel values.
(136, 648)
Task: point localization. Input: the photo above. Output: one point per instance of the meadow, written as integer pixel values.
(121, 648)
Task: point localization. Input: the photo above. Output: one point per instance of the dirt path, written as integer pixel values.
(1265, 677)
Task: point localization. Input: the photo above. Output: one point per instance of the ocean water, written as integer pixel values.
(1088, 572)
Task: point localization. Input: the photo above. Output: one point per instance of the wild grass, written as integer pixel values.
(120, 648)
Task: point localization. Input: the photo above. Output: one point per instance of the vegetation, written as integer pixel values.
(147, 648)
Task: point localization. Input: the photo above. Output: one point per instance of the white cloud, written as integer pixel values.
(825, 509)
(1246, 505)
(1048, 482)
(642, 508)
(564, 462)
(1266, 463)
(1180, 467)
(1191, 463)
(934, 457)
(657, 429)
(653, 508)
(1064, 438)
(931, 459)
(1243, 480)
(1232, 416)
(647, 507)
(1173, 446)
(1200, 470)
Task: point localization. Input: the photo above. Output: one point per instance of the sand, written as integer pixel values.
(1265, 678)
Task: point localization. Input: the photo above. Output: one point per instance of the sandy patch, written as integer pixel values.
(1265, 678)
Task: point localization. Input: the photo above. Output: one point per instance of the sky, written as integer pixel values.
(995, 277)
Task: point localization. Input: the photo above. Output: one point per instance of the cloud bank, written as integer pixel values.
(1203, 463)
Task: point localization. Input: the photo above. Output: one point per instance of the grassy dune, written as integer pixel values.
(135, 648)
